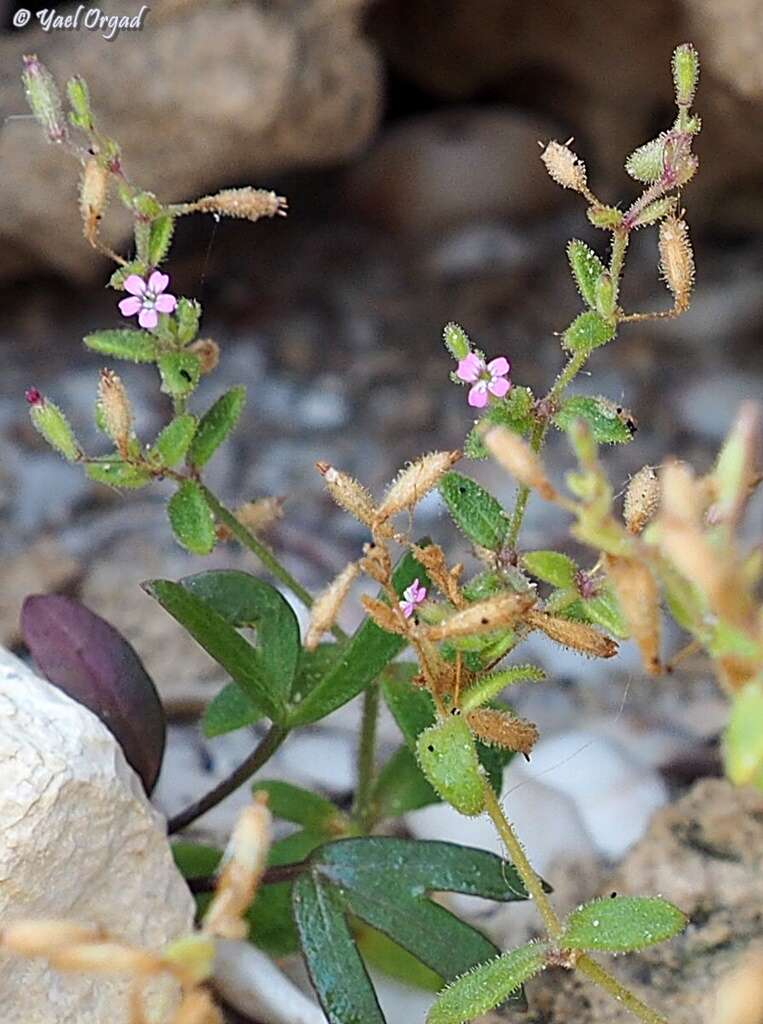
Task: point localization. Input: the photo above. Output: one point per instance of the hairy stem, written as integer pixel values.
(362, 811)
(262, 753)
(518, 858)
(624, 996)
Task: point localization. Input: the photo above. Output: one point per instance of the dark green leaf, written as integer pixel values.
(401, 787)
(550, 566)
(621, 924)
(381, 952)
(313, 812)
(362, 658)
(227, 647)
(123, 343)
(159, 238)
(336, 969)
(244, 600)
(180, 373)
(172, 443)
(607, 421)
(196, 860)
(587, 332)
(474, 510)
(215, 425)
(229, 710)
(488, 985)
(113, 472)
(191, 519)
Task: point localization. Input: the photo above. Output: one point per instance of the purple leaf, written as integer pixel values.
(81, 654)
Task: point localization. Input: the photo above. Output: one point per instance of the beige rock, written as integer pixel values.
(218, 94)
(78, 840)
(42, 568)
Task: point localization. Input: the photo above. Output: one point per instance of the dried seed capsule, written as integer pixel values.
(326, 607)
(244, 203)
(639, 599)
(386, 618)
(94, 188)
(41, 938)
(503, 730)
(115, 409)
(104, 958)
(448, 758)
(415, 481)
(642, 498)
(564, 166)
(208, 352)
(677, 260)
(576, 635)
(483, 616)
(348, 493)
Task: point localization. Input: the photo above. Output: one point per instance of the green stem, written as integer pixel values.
(362, 811)
(518, 858)
(268, 559)
(624, 996)
(262, 753)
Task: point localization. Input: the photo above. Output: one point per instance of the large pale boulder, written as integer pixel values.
(78, 840)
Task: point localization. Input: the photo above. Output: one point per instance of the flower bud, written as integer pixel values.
(244, 203)
(642, 497)
(677, 260)
(79, 98)
(43, 98)
(52, 424)
(326, 607)
(685, 73)
(456, 340)
(564, 166)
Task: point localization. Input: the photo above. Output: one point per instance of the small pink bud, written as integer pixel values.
(33, 396)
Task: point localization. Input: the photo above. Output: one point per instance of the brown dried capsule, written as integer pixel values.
(575, 635)
(244, 203)
(677, 260)
(639, 598)
(326, 607)
(503, 729)
(564, 166)
(642, 498)
(94, 187)
(386, 618)
(115, 410)
(348, 493)
(415, 481)
(208, 352)
(483, 616)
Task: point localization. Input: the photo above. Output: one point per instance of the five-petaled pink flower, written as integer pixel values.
(483, 378)
(413, 596)
(147, 299)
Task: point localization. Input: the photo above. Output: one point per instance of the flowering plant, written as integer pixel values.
(457, 732)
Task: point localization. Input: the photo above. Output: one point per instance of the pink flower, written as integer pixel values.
(413, 596)
(484, 378)
(147, 300)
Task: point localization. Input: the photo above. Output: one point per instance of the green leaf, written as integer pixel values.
(515, 411)
(120, 275)
(113, 472)
(474, 510)
(123, 343)
(621, 924)
(187, 316)
(195, 860)
(159, 238)
(362, 658)
(456, 340)
(609, 423)
(172, 443)
(488, 985)
(226, 646)
(313, 812)
(447, 756)
(215, 425)
(191, 519)
(743, 737)
(180, 373)
(646, 163)
(333, 962)
(604, 610)
(55, 428)
(229, 710)
(381, 952)
(587, 332)
(586, 268)
(489, 686)
(243, 600)
(550, 566)
(401, 786)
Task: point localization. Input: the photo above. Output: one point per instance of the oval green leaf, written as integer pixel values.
(191, 519)
(621, 924)
(215, 425)
(474, 510)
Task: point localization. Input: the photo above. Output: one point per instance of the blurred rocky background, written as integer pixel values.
(404, 133)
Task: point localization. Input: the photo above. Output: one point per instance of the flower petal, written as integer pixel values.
(470, 368)
(499, 367)
(158, 282)
(129, 307)
(407, 608)
(166, 303)
(134, 285)
(148, 318)
(478, 395)
(498, 386)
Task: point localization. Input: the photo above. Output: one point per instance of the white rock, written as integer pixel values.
(78, 840)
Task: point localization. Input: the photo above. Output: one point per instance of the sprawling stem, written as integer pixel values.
(518, 858)
(624, 996)
(262, 753)
(362, 810)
